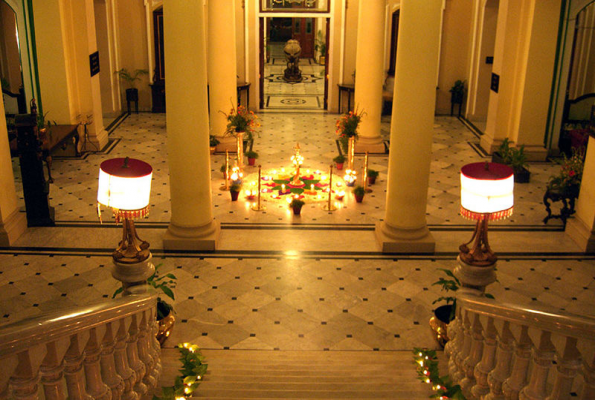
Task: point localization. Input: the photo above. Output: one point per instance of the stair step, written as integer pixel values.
(309, 394)
(310, 386)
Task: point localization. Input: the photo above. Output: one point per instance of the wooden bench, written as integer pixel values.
(55, 137)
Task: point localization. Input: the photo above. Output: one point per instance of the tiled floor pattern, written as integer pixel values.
(292, 304)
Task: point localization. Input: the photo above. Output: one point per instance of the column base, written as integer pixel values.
(536, 153)
(581, 234)
(203, 238)
(12, 228)
(370, 145)
(489, 144)
(394, 240)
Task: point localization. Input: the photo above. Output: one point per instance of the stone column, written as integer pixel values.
(12, 222)
(581, 228)
(404, 228)
(222, 69)
(192, 226)
(369, 77)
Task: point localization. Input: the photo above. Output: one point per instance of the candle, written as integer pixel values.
(312, 187)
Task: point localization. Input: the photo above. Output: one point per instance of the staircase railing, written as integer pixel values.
(106, 351)
(505, 351)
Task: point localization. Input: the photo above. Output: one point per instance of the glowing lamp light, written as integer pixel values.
(486, 194)
(125, 187)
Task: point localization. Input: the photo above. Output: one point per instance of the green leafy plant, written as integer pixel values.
(320, 45)
(340, 159)
(373, 173)
(251, 154)
(241, 120)
(44, 123)
(164, 284)
(458, 91)
(213, 141)
(359, 191)
(571, 172)
(235, 187)
(193, 370)
(512, 156)
(428, 372)
(5, 84)
(296, 203)
(131, 77)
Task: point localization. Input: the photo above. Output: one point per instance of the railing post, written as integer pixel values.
(155, 347)
(95, 386)
(73, 371)
(504, 353)
(474, 355)
(568, 366)
(108, 365)
(488, 361)
(522, 356)
(24, 381)
(133, 360)
(588, 392)
(143, 351)
(133, 274)
(455, 344)
(460, 357)
(52, 374)
(121, 360)
(542, 362)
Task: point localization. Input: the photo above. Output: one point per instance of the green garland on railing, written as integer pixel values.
(427, 369)
(192, 372)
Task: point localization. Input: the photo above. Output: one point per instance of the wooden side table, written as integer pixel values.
(350, 89)
(567, 197)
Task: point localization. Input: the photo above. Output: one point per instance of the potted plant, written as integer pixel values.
(359, 193)
(130, 79)
(347, 128)
(241, 120)
(457, 92)
(213, 142)
(567, 182)
(225, 173)
(515, 158)
(165, 311)
(320, 47)
(296, 204)
(252, 156)
(445, 313)
(339, 161)
(234, 190)
(372, 175)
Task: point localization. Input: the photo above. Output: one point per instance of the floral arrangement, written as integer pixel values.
(427, 370)
(571, 171)
(192, 371)
(347, 127)
(241, 120)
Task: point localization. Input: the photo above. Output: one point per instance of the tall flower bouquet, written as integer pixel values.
(571, 173)
(347, 127)
(241, 120)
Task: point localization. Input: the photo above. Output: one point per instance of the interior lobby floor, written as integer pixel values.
(278, 281)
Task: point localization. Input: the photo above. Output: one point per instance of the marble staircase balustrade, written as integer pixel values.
(107, 352)
(504, 351)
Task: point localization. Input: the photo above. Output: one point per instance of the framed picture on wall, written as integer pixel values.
(309, 6)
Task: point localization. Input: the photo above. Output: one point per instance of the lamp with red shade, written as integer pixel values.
(125, 187)
(486, 195)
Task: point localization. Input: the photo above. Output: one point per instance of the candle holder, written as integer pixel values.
(329, 206)
(258, 206)
(225, 187)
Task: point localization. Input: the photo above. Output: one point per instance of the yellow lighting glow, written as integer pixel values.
(482, 194)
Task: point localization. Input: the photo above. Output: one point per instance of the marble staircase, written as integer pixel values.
(258, 374)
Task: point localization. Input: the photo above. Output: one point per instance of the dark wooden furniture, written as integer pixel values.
(158, 96)
(350, 90)
(567, 197)
(58, 137)
(244, 86)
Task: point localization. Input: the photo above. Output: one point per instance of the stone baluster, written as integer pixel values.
(7, 367)
(522, 356)
(25, 378)
(73, 370)
(474, 357)
(133, 360)
(542, 362)
(488, 361)
(95, 386)
(588, 391)
(121, 360)
(143, 344)
(568, 366)
(501, 372)
(108, 364)
(465, 349)
(52, 374)
(454, 345)
(154, 346)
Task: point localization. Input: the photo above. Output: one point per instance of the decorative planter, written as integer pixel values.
(251, 161)
(132, 94)
(166, 325)
(234, 195)
(439, 324)
(339, 166)
(359, 199)
(522, 176)
(212, 149)
(297, 210)
(371, 180)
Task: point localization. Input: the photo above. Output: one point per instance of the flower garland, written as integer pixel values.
(192, 372)
(427, 369)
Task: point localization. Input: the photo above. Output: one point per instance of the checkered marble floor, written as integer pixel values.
(289, 301)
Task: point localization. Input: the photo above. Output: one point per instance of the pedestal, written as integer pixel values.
(202, 239)
(395, 240)
(133, 274)
(474, 279)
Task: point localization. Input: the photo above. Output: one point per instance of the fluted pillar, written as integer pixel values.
(221, 65)
(581, 228)
(191, 226)
(12, 222)
(404, 228)
(369, 67)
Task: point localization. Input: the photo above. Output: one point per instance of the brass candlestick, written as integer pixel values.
(365, 174)
(240, 150)
(329, 206)
(258, 207)
(226, 173)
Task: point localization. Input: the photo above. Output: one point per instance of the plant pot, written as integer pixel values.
(359, 199)
(166, 325)
(234, 195)
(439, 324)
(497, 158)
(371, 180)
(251, 161)
(297, 210)
(132, 94)
(522, 176)
(339, 166)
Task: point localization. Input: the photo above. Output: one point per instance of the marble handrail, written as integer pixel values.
(106, 351)
(500, 350)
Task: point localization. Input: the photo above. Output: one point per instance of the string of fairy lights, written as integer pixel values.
(428, 372)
